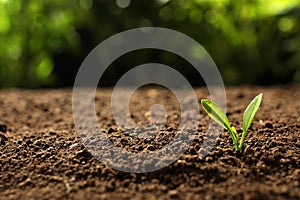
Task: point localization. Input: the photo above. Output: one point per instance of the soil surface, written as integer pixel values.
(43, 157)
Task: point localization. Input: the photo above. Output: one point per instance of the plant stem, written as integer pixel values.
(234, 138)
(242, 140)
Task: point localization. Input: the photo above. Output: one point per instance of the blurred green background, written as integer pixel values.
(42, 43)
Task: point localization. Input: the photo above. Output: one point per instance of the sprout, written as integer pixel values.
(217, 114)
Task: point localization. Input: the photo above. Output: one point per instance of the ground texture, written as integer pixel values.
(42, 157)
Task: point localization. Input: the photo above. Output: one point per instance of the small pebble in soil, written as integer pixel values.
(3, 128)
(83, 154)
(173, 193)
(147, 141)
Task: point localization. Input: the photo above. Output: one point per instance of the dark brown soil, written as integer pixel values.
(42, 156)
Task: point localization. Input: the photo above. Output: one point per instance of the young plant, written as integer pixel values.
(217, 114)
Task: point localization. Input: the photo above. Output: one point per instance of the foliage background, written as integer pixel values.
(42, 43)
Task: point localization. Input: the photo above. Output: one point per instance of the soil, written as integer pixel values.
(42, 156)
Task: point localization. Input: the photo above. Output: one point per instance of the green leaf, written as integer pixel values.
(235, 132)
(216, 113)
(251, 111)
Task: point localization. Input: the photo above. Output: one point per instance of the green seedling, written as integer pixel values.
(217, 114)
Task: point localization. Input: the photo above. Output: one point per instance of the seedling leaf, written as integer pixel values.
(235, 133)
(250, 112)
(216, 113)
